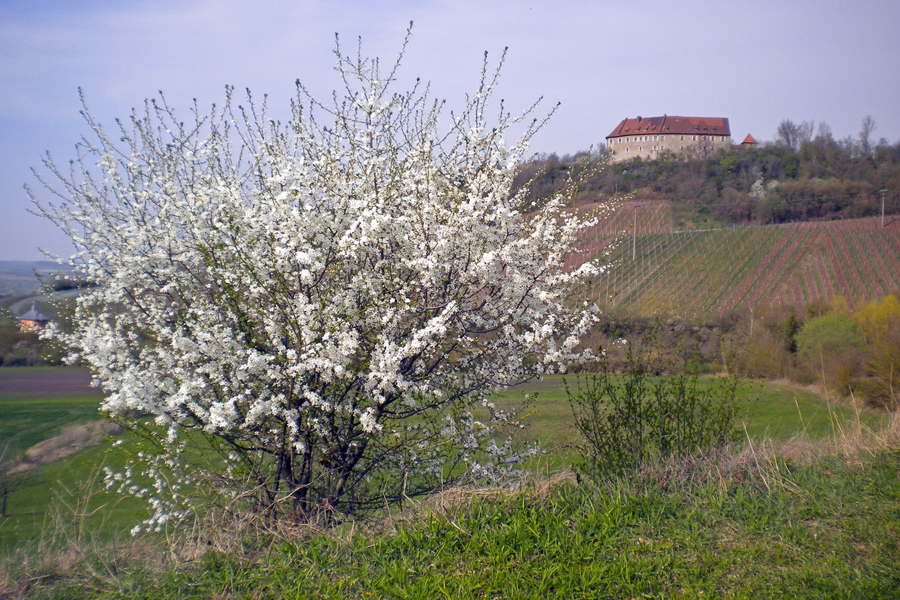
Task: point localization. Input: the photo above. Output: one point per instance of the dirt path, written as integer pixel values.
(69, 441)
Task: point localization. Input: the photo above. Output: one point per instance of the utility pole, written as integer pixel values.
(634, 237)
(882, 207)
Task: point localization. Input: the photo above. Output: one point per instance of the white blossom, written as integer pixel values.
(336, 294)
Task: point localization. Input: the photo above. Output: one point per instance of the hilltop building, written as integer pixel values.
(749, 142)
(647, 137)
(33, 319)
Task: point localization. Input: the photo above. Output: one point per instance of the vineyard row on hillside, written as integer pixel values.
(707, 273)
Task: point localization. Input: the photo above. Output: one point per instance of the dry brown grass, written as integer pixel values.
(851, 441)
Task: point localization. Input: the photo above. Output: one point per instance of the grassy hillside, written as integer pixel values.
(711, 272)
(787, 514)
(736, 525)
(42, 406)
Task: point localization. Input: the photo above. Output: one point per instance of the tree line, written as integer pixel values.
(805, 174)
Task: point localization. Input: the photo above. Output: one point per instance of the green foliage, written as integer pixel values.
(625, 422)
(829, 334)
(880, 323)
(831, 348)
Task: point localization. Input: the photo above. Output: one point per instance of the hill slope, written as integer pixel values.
(711, 272)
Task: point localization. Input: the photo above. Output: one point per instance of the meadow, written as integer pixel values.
(49, 499)
(796, 518)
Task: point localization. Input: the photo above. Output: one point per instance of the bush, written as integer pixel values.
(326, 303)
(832, 346)
(627, 420)
(880, 323)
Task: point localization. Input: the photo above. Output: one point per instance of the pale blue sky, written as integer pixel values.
(753, 62)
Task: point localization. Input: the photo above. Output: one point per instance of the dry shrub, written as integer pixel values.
(764, 356)
(851, 441)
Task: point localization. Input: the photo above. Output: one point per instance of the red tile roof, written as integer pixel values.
(667, 124)
(749, 140)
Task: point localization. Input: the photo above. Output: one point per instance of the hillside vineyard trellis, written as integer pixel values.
(709, 272)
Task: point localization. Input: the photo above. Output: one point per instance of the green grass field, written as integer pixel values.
(766, 410)
(38, 403)
(769, 529)
(829, 530)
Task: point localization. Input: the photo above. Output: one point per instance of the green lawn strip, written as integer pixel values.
(765, 409)
(24, 423)
(45, 497)
(776, 411)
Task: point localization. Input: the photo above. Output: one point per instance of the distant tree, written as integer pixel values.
(788, 135)
(831, 347)
(824, 133)
(880, 323)
(867, 127)
(599, 151)
(805, 132)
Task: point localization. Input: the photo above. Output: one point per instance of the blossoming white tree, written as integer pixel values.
(326, 303)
